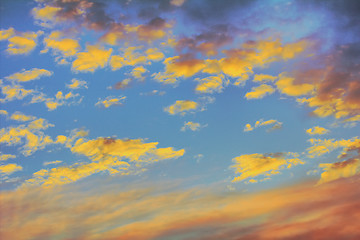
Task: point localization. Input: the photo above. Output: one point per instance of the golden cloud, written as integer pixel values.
(111, 101)
(66, 47)
(94, 58)
(9, 169)
(317, 130)
(211, 84)
(260, 92)
(29, 75)
(181, 107)
(334, 171)
(254, 165)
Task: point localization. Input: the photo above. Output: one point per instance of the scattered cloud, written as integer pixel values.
(193, 126)
(275, 125)
(334, 171)
(254, 165)
(181, 107)
(111, 101)
(95, 57)
(77, 84)
(317, 131)
(29, 75)
(260, 92)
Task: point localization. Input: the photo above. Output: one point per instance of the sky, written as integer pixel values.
(179, 119)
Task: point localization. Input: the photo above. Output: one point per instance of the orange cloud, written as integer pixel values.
(334, 171)
(113, 211)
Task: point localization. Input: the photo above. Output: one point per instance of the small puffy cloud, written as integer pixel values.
(333, 171)
(154, 54)
(122, 84)
(111, 101)
(153, 30)
(18, 116)
(47, 15)
(9, 169)
(130, 57)
(177, 3)
(286, 85)
(29, 75)
(211, 84)
(317, 131)
(115, 156)
(94, 58)
(19, 42)
(260, 92)
(52, 162)
(138, 72)
(181, 107)
(193, 126)
(76, 84)
(65, 47)
(248, 128)
(3, 112)
(254, 165)
(6, 34)
(275, 125)
(5, 157)
(264, 78)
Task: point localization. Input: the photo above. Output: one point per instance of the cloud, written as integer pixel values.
(58, 100)
(115, 211)
(3, 112)
(19, 42)
(254, 165)
(94, 58)
(211, 84)
(317, 130)
(193, 126)
(181, 107)
(106, 154)
(5, 157)
(111, 101)
(52, 163)
(321, 146)
(14, 92)
(9, 169)
(286, 86)
(276, 125)
(138, 72)
(153, 30)
(18, 116)
(77, 84)
(334, 171)
(65, 47)
(264, 78)
(29, 75)
(260, 92)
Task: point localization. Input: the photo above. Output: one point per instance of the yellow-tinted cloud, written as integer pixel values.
(4, 157)
(317, 130)
(52, 162)
(211, 84)
(276, 125)
(322, 146)
(13, 92)
(286, 86)
(29, 75)
(3, 112)
(264, 78)
(60, 99)
(6, 34)
(334, 171)
(154, 54)
(254, 165)
(20, 43)
(18, 116)
(66, 47)
(181, 107)
(46, 15)
(107, 154)
(193, 126)
(260, 92)
(111, 101)
(32, 134)
(94, 58)
(76, 84)
(9, 169)
(138, 73)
